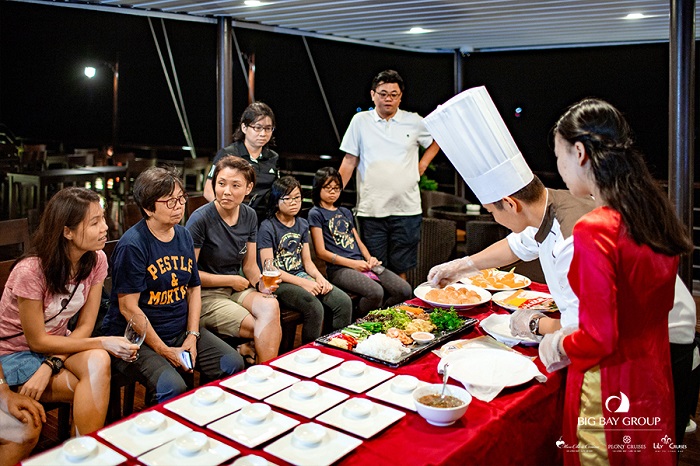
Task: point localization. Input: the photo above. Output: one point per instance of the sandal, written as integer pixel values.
(247, 351)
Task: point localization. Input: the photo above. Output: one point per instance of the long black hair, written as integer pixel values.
(322, 178)
(67, 208)
(622, 177)
(254, 112)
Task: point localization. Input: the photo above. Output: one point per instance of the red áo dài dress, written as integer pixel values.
(621, 348)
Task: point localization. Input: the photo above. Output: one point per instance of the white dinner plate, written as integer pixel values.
(423, 289)
(101, 456)
(525, 299)
(251, 434)
(498, 326)
(357, 383)
(213, 453)
(392, 392)
(310, 407)
(191, 408)
(491, 367)
(242, 383)
(377, 419)
(127, 437)
(498, 274)
(332, 447)
(296, 365)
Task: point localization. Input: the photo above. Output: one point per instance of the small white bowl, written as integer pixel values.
(352, 368)
(305, 389)
(404, 384)
(358, 408)
(250, 460)
(442, 416)
(255, 413)
(473, 208)
(149, 422)
(421, 338)
(309, 434)
(307, 355)
(259, 373)
(191, 443)
(79, 448)
(208, 395)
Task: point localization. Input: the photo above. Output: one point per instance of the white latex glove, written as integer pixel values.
(450, 272)
(550, 355)
(520, 322)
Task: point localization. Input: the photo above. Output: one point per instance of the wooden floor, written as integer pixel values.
(49, 436)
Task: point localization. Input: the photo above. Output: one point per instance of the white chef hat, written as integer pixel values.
(472, 134)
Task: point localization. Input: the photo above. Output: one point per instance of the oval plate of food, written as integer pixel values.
(457, 295)
(525, 299)
(498, 280)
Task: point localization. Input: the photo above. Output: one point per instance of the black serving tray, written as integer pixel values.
(415, 350)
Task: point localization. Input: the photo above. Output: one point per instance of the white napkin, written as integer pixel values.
(484, 372)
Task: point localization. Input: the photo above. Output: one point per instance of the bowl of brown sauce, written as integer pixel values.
(441, 411)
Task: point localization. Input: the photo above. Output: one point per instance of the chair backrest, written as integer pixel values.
(34, 157)
(123, 158)
(437, 243)
(5, 267)
(133, 170)
(194, 203)
(15, 233)
(132, 215)
(437, 198)
(483, 233)
(81, 160)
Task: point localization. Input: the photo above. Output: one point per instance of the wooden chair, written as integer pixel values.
(193, 203)
(133, 170)
(123, 158)
(436, 245)
(130, 215)
(63, 408)
(56, 161)
(81, 160)
(14, 239)
(34, 157)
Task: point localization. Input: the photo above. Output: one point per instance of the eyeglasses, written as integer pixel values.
(261, 128)
(291, 200)
(173, 201)
(331, 189)
(384, 95)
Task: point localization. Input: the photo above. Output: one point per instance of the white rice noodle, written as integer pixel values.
(382, 347)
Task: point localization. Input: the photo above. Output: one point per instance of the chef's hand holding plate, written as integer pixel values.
(550, 354)
(442, 275)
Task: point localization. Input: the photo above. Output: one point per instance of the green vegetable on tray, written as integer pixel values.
(356, 332)
(446, 319)
(372, 327)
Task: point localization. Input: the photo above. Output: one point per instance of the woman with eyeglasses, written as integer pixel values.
(155, 273)
(60, 276)
(235, 301)
(284, 239)
(349, 264)
(251, 142)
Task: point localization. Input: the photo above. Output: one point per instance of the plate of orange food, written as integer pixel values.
(498, 280)
(457, 295)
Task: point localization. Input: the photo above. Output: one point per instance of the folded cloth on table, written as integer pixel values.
(484, 372)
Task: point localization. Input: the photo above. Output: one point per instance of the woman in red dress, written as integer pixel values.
(619, 402)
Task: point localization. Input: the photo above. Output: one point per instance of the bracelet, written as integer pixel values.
(196, 334)
(335, 256)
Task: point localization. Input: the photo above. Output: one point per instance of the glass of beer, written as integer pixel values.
(270, 275)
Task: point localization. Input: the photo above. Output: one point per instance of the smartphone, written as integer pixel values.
(186, 359)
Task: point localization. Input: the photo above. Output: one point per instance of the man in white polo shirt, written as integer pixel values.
(382, 144)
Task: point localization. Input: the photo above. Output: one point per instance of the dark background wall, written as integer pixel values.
(45, 97)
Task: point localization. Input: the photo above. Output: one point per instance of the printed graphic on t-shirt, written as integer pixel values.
(165, 270)
(289, 252)
(341, 230)
(57, 326)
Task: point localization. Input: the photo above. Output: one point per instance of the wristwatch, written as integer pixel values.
(535, 324)
(55, 363)
(197, 335)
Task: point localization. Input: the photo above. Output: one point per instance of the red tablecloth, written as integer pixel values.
(519, 427)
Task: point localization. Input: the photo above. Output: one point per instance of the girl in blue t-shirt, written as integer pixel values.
(285, 238)
(349, 264)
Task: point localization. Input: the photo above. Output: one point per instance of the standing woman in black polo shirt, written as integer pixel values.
(251, 141)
